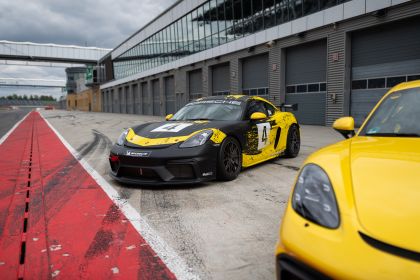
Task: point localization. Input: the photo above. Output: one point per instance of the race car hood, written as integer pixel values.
(171, 132)
(386, 183)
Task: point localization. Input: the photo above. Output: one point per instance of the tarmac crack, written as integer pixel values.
(291, 167)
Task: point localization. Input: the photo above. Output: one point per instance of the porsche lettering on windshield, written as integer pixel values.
(216, 101)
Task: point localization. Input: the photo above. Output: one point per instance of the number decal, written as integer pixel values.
(263, 134)
(171, 127)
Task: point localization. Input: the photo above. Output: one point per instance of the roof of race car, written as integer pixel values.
(238, 97)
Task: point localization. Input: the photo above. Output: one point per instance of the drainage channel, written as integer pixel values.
(26, 213)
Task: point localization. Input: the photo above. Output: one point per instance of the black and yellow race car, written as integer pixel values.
(209, 138)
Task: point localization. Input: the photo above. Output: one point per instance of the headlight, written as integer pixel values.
(314, 198)
(121, 139)
(197, 139)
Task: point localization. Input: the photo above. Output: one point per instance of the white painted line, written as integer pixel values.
(12, 129)
(171, 259)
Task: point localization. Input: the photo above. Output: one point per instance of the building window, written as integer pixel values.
(313, 87)
(256, 91)
(384, 82)
(218, 93)
(393, 81)
(213, 23)
(413, 78)
(303, 88)
(376, 83)
(359, 84)
(290, 89)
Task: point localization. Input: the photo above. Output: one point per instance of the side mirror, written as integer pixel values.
(345, 126)
(168, 117)
(258, 116)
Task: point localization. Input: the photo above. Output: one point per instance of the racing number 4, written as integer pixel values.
(263, 134)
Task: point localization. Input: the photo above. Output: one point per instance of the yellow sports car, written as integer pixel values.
(354, 212)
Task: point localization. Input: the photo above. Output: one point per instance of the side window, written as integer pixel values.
(270, 109)
(255, 106)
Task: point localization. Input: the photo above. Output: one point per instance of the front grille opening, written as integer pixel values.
(292, 269)
(137, 172)
(181, 171)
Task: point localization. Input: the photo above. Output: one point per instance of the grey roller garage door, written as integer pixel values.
(156, 97)
(120, 100)
(170, 95)
(220, 79)
(195, 83)
(103, 101)
(130, 102)
(146, 108)
(306, 67)
(136, 99)
(381, 58)
(114, 101)
(127, 102)
(255, 75)
(107, 101)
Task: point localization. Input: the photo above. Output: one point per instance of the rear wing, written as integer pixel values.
(294, 107)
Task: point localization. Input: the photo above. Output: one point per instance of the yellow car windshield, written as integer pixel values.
(397, 116)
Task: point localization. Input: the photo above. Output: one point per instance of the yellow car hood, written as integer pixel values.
(386, 184)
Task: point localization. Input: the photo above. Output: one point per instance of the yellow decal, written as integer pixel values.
(252, 155)
(217, 138)
(236, 96)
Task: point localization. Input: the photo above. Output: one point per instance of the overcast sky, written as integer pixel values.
(99, 23)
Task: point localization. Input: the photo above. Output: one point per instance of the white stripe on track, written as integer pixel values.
(170, 258)
(13, 128)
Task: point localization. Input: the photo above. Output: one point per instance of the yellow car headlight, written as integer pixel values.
(313, 197)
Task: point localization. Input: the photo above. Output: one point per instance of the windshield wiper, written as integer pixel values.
(392, 134)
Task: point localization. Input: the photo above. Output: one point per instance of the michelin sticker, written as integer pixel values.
(137, 154)
(263, 134)
(171, 127)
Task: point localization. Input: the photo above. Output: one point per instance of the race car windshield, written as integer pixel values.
(397, 116)
(213, 110)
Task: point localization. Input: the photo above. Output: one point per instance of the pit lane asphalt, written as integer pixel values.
(8, 118)
(222, 230)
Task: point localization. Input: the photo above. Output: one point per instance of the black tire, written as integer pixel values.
(229, 161)
(293, 142)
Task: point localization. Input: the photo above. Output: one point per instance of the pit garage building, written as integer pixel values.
(332, 57)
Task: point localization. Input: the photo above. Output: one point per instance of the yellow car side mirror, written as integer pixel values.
(168, 117)
(258, 116)
(345, 126)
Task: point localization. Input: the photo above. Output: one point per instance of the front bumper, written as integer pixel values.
(164, 166)
(289, 268)
(341, 253)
